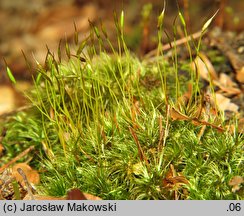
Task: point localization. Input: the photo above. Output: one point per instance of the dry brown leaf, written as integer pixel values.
(225, 104)
(74, 194)
(7, 99)
(236, 182)
(32, 175)
(227, 85)
(175, 115)
(226, 81)
(203, 66)
(175, 181)
(42, 197)
(240, 75)
(228, 91)
(91, 197)
(172, 180)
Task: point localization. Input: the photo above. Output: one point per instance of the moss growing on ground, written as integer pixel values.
(102, 122)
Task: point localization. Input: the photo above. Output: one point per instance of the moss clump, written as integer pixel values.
(101, 122)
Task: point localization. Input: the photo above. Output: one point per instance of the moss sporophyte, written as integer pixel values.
(111, 124)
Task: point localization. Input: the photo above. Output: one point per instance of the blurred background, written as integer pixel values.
(30, 26)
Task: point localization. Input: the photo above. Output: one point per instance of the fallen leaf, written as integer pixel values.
(31, 175)
(226, 81)
(172, 180)
(240, 75)
(42, 197)
(91, 197)
(175, 181)
(227, 86)
(230, 91)
(175, 115)
(7, 99)
(73, 194)
(204, 67)
(225, 103)
(236, 182)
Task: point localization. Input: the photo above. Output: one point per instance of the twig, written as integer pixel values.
(22, 154)
(176, 43)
